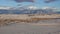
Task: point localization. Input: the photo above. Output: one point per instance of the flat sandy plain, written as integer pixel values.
(29, 24)
(21, 28)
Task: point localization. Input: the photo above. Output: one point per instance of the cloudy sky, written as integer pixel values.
(38, 3)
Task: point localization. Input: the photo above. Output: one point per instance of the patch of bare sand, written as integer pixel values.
(45, 24)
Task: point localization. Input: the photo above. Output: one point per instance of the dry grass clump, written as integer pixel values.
(4, 21)
(37, 19)
(8, 21)
(21, 20)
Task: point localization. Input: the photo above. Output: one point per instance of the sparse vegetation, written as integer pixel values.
(4, 20)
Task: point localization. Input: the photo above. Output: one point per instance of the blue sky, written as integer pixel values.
(38, 3)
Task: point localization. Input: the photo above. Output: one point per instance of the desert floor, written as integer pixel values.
(30, 26)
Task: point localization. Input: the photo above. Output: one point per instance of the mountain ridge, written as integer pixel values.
(28, 10)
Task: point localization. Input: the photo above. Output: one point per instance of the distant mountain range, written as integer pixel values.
(27, 10)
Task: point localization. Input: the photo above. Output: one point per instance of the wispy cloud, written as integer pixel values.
(48, 1)
(18, 1)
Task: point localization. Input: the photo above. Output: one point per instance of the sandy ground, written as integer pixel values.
(38, 26)
(21, 28)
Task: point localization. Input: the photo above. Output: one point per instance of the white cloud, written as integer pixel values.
(49, 8)
(52, 8)
(5, 7)
(32, 7)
